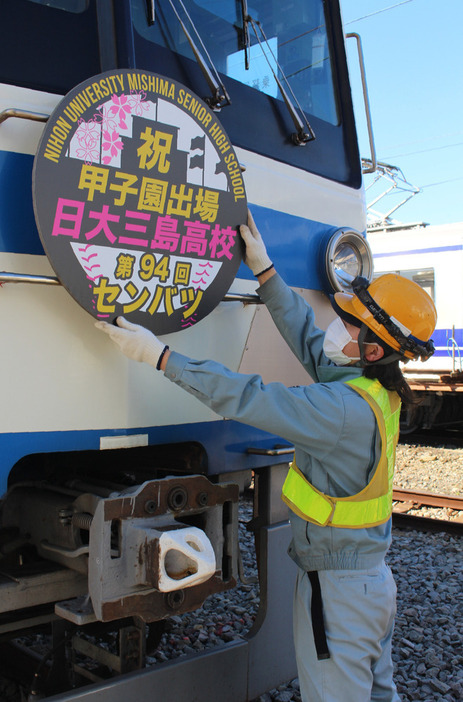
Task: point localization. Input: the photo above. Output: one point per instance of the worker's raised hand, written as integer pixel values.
(256, 256)
(134, 341)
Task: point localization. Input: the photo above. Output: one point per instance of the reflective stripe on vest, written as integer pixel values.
(372, 505)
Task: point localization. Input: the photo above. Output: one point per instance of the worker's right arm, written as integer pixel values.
(295, 320)
(293, 317)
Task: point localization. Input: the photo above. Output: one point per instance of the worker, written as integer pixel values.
(344, 427)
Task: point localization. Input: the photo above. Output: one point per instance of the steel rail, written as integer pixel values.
(416, 499)
(427, 498)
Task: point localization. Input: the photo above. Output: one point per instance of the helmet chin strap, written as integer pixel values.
(384, 361)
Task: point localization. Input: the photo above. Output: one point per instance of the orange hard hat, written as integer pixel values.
(396, 309)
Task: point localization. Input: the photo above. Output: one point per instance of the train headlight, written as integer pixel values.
(347, 255)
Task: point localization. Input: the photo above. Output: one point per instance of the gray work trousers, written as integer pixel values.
(359, 608)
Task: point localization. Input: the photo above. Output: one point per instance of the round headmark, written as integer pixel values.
(138, 196)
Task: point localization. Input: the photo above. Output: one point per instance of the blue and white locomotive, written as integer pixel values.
(101, 458)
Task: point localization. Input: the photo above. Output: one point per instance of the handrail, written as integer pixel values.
(26, 278)
(283, 451)
(22, 114)
(372, 168)
(245, 298)
(6, 277)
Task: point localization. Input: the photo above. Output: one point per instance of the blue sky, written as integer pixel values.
(413, 51)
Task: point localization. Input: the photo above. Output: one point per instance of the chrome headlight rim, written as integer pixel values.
(339, 280)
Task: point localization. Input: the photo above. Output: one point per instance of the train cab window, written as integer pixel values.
(270, 44)
(301, 40)
(298, 41)
(49, 46)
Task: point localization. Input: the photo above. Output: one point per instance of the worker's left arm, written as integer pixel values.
(307, 416)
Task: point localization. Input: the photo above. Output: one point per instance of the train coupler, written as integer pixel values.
(158, 549)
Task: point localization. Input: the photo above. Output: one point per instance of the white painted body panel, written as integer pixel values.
(61, 374)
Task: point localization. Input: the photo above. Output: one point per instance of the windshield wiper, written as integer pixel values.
(219, 97)
(246, 37)
(304, 132)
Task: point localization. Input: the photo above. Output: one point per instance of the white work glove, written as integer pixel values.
(135, 341)
(256, 256)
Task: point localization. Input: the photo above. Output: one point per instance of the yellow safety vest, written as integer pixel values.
(372, 505)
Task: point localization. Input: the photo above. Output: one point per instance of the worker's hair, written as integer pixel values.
(389, 375)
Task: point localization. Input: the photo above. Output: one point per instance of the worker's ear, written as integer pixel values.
(373, 352)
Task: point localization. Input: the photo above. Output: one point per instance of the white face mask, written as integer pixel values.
(336, 338)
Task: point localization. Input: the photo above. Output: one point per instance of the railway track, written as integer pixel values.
(405, 500)
(20, 661)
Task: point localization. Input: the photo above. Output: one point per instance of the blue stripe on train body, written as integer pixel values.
(293, 242)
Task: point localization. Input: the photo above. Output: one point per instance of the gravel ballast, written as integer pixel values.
(428, 569)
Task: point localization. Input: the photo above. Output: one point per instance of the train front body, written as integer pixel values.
(113, 479)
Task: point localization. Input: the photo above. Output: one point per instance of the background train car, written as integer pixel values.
(432, 256)
(100, 457)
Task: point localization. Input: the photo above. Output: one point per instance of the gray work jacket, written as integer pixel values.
(333, 429)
